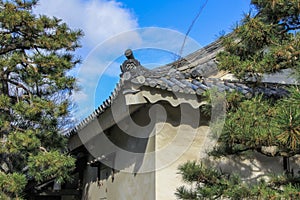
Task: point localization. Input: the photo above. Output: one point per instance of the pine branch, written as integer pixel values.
(20, 85)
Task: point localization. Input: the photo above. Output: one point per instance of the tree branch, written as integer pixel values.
(18, 84)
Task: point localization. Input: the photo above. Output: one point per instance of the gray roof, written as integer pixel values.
(193, 74)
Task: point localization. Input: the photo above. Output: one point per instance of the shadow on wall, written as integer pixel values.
(134, 134)
(251, 167)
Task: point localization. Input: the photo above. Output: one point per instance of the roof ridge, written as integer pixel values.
(99, 110)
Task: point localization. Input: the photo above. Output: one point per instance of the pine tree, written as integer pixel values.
(36, 52)
(266, 41)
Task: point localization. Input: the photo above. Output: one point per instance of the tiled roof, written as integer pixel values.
(193, 74)
(193, 77)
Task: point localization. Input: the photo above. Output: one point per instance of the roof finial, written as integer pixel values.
(129, 54)
(130, 63)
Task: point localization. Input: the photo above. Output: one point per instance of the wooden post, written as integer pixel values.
(286, 165)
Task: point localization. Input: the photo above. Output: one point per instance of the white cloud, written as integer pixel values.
(99, 19)
(80, 96)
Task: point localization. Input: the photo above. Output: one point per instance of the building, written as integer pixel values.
(131, 146)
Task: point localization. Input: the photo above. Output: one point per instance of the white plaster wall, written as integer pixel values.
(127, 186)
(176, 136)
(254, 166)
(129, 182)
(167, 177)
(175, 142)
(124, 185)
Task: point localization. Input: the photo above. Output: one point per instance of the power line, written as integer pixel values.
(191, 26)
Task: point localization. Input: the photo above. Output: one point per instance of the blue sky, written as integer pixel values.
(111, 27)
(218, 15)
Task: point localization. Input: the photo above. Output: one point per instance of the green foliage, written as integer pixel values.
(257, 122)
(12, 184)
(209, 183)
(265, 42)
(22, 142)
(48, 165)
(287, 122)
(35, 56)
(249, 125)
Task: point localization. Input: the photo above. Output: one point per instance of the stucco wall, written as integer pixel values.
(181, 138)
(131, 178)
(253, 166)
(125, 186)
(175, 135)
(167, 177)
